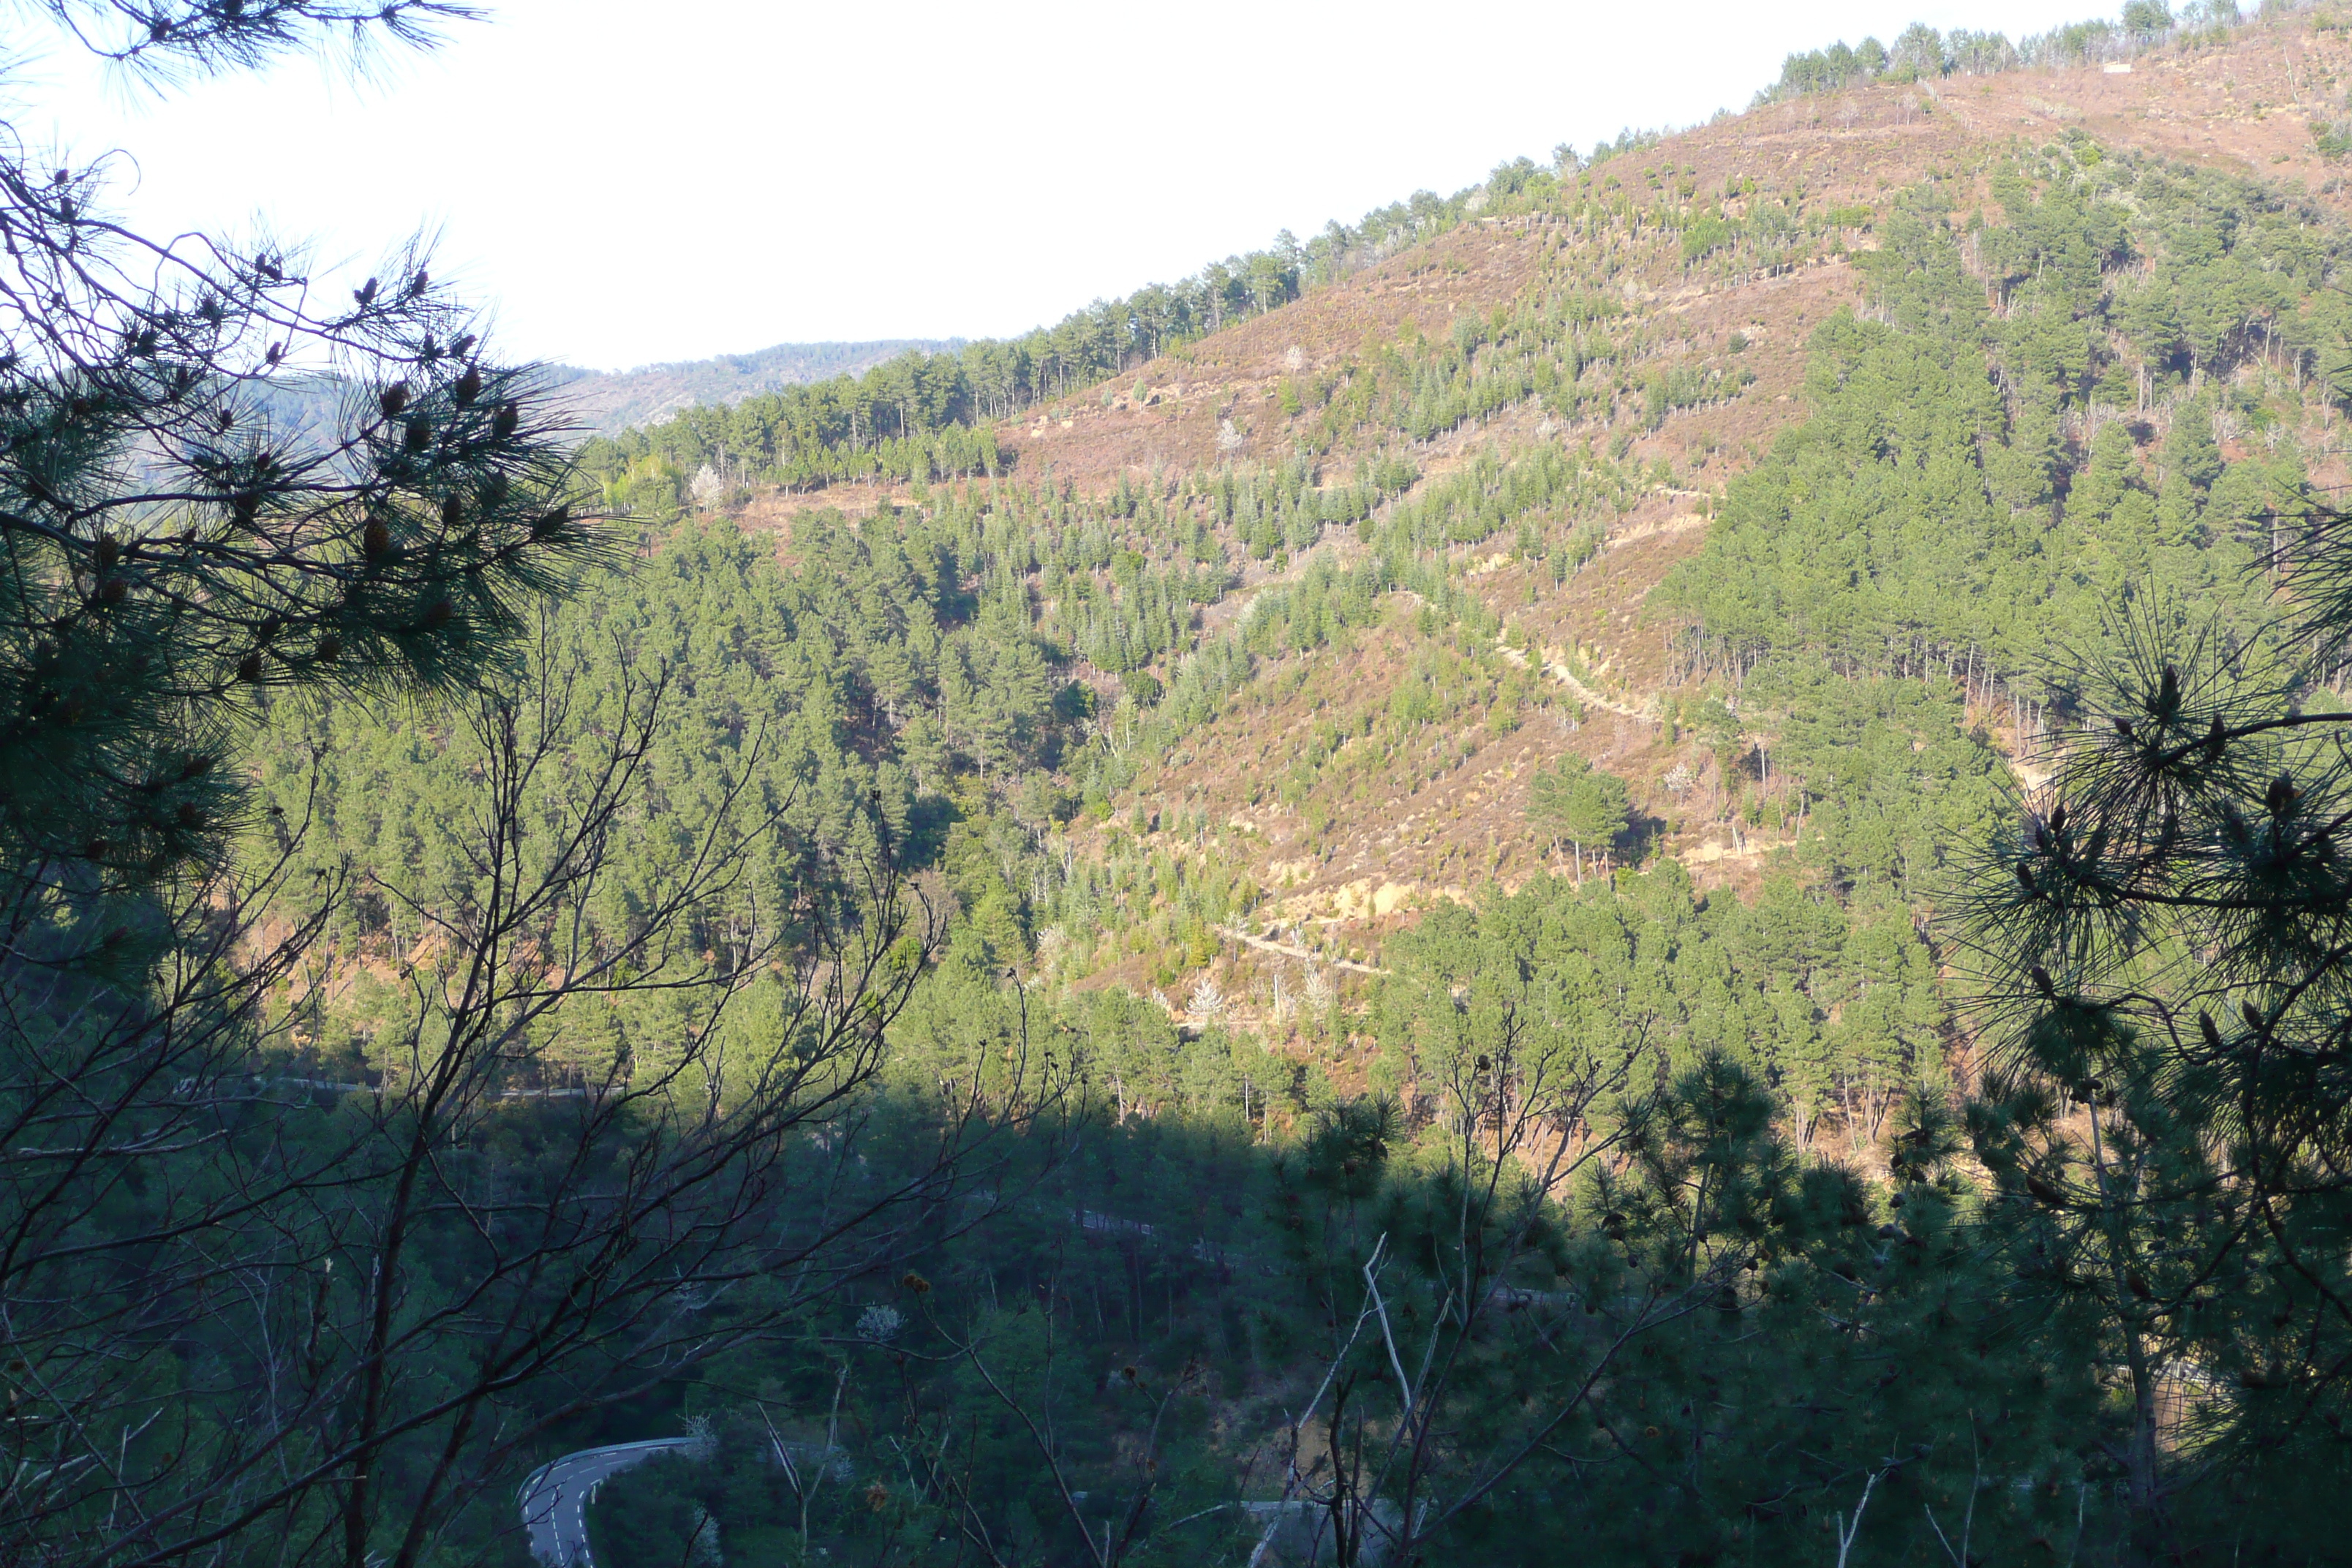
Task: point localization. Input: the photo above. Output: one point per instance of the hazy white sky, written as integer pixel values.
(637, 180)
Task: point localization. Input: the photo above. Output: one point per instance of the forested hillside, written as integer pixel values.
(1414, 897)
(1135, 726)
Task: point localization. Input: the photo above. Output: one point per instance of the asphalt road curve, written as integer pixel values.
(554, 1497)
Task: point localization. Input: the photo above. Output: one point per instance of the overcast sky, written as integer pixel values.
(630, 181)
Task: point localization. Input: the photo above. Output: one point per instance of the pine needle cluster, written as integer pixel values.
(2164, 940)
(221, 478)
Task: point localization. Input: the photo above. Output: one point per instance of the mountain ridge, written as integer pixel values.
(608, 402)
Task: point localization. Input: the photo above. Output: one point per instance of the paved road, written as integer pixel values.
(555, 1497)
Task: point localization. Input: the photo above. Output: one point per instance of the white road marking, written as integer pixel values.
(575, 1477)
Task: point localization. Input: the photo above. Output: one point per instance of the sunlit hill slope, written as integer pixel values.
(1576, 465)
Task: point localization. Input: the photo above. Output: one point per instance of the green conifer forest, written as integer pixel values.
(1644, 866)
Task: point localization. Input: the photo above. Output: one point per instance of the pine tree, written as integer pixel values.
(1580, 803)
(217, 484)
(2168, 1111)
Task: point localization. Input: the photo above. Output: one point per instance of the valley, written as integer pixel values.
(1645, 862)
